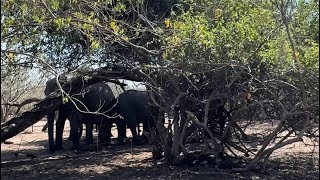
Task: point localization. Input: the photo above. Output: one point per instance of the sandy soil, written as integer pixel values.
(28, 158)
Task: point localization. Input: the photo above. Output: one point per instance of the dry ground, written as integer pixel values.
(28, 158)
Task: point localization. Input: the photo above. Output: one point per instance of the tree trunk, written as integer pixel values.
(28, 118)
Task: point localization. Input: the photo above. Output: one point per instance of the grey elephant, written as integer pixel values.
(95, 98)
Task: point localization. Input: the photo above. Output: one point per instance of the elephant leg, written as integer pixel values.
(71, 133)
(59, 129)
(76, 124)
(135, 138)
(132, 123)
(122, 131)
(80, 130)
(146, 125)
(97, 127)
(139, 130)
(50, 118)
(104, 134)
(89, 133)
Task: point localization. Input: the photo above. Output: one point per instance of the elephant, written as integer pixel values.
(97, 98)
(64, 111)
(135, 108)
(93, 98)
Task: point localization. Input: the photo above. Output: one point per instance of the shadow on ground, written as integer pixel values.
(28, 158)
(122, 162)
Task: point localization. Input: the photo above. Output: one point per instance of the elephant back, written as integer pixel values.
(96, 97)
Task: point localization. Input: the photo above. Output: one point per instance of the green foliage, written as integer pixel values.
(223, 33)
(82, 29)
(248, 33)
(310, 59)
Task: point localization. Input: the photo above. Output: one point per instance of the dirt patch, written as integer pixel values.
(28, 158)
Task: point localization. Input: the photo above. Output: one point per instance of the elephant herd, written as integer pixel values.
(98, 105)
